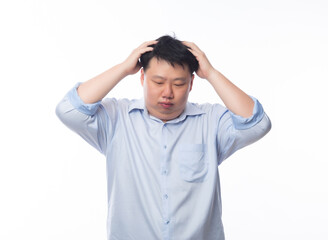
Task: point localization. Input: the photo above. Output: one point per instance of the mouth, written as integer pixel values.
(166, 104)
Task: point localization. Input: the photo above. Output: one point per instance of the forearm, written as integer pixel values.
(233, 97)
(98, 87)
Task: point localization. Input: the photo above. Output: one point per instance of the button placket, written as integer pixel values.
(165, 174)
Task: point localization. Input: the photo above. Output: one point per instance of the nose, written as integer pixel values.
(167, 91)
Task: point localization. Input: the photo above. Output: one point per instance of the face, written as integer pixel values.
(166, 88)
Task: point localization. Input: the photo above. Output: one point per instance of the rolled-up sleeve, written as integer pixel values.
(245, 123)
(90, 121)
(236, 132)
(78, 104)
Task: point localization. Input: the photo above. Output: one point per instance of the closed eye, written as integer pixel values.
(179, 85)
(159, 83)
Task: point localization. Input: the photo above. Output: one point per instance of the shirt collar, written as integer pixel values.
(191, 109)
(137, 104)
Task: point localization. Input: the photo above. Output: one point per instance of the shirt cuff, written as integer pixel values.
(242, 123)
(78, 104)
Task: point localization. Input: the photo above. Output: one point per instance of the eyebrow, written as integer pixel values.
(163, 78)
(157, 76)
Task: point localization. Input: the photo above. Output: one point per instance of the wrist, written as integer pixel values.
(123, 69)
(213, 75)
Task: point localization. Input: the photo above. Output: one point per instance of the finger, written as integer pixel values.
(146, 49)
(188, 44)
(195, 53)
(148, 43)
(191, 45)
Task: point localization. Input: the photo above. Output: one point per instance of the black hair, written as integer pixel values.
(172, 51)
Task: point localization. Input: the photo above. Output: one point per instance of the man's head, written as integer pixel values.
(172, 51)
(167, 77)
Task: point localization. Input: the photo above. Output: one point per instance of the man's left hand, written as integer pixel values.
(205, 69)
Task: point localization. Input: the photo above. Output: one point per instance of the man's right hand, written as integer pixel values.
(132, 64)
(98, 87)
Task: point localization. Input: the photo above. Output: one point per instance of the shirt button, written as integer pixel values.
(166, 196)
(167, 222)
(164, 172)
(165, 146)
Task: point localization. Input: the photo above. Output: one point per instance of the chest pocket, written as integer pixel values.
(193, 164)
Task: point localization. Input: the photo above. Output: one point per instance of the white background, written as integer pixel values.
(52, 183)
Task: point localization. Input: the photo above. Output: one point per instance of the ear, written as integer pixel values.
(142, 76)
(192, 81)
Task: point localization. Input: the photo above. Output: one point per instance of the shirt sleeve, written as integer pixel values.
(90, 121)
(236, 132)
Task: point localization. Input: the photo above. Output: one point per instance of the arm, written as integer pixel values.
(234, 98)
(98, 87)
(81, 109)
(247, 121)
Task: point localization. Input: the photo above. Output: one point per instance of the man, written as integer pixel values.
(162, 151)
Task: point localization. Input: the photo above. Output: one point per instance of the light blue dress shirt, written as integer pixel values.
(162, 178)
